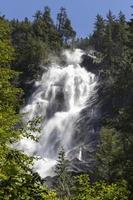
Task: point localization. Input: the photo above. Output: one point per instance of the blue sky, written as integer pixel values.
(81, 12)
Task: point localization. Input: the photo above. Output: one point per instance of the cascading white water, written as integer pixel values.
(60, 96)
(80, 154)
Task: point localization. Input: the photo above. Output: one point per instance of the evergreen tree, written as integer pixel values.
(64, 27)
(108, 156)
(64, 181)
(61, 18)
(109, 43)
(118, 85)
(33, 42)
(97, 39)
(82, 43)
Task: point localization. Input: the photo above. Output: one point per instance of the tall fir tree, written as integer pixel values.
(64, 27)
(64, 181)
(97, 39)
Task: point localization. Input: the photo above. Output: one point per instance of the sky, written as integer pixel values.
(81, 12)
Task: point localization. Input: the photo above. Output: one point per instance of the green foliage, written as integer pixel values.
(63, 182)
(8, 95)
(6, 50)
(117, 89)
(115, 191)
(51, 195)
(82, 43)
(99, 34)
(84, 190)
(33, 42)
(81, 188)
(17, 180)
(45, 30)
(64, 26)
(108, 156)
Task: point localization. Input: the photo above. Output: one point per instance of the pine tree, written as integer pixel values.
(118, 84)
(33, 42)
(97, 39)
(108, 156)
(64, 181)
(64, 27)
(109, 43)
(61, 18)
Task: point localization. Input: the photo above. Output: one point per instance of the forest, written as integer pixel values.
(26, 46)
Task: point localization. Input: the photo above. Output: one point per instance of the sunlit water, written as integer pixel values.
(60, 96)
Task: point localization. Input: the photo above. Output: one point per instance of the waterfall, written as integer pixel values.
(60, 96)
(80, 154)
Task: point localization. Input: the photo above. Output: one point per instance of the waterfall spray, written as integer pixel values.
(60, 96)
